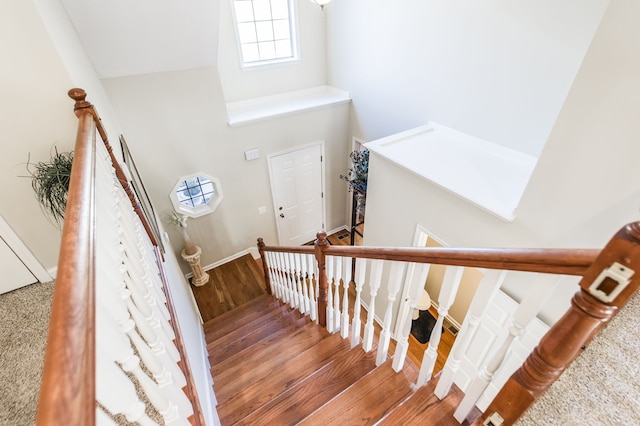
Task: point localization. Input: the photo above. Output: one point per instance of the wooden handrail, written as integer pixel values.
(81, 105)
(68, 390)
(67, 393)
(550, 261)
(570, 335)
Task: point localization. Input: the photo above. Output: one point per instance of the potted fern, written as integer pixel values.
(357, 178)
(50, 182)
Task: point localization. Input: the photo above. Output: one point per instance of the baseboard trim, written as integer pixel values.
(253, 251)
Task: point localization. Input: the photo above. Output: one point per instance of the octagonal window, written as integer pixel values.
(196, 195)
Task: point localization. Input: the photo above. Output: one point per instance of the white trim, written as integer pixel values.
(22, 251)
(253, 251)
(321, 143)
(294, 39)
(282, 104)
(420, 237)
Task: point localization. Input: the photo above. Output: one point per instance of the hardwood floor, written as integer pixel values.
(230, 285)
(238, 282)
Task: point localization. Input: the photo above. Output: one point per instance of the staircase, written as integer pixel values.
(271, 365)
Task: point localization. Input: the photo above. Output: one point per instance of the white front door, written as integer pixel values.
(296, 183)
(14, 273)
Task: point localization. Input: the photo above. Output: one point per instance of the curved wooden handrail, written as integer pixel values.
(67, 393)
(68, 390)
(551, 261)
(82, 105)
(570, 335)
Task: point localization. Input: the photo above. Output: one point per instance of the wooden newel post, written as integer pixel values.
(321, 245)
(265, 267)
(617, 268)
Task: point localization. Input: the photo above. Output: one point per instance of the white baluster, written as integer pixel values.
(487, 288)
(301, 264)
(286, 273)
(336, 294)
(112, 342)
(311, 263)
(397, 271)
(344, 327)
(274, 278)
(116, 393)
(277, 276)
(450, 284)
(293, 277)
(285, 290)
(527, 310)
(103, 419)
(374, 285)
(329, 269)
(159, 344)
(297, 278)
(416, 278)
(356, 325)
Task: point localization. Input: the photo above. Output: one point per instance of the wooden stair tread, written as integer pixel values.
(366, 401)
(275, 339)
(250, 334)
(213, 332)
(240, 310)
(260, 392)
(257, 364)
(246, 312)
(424, 404)
(307, 396)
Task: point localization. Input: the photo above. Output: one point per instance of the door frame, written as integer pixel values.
(23, 253)
(322, 181)
(420, 237)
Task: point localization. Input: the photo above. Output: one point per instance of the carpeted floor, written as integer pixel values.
(602, 386)
(24, 320)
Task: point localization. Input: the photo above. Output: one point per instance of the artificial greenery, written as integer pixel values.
(358, 174)
(50, 182)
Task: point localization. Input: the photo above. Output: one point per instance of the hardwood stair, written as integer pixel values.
(271, 365)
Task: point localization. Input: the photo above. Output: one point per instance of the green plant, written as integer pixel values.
(177, 219)
(359, 173)
(50, 182)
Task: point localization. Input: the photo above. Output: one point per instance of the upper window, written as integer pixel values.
(266, 31)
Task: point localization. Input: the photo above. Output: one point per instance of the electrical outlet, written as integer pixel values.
(262, 210)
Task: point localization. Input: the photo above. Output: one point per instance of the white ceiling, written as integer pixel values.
(125, 37)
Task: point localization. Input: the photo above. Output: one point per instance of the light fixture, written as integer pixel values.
(321, 3)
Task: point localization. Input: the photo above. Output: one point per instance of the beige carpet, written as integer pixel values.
(24, 319)
(602, 386)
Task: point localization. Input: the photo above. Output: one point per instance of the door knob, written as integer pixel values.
(281, 214)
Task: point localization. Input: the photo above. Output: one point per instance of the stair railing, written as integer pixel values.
(112, 327)
(606, 274)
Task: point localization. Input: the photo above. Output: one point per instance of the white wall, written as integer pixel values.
(498, 70)
(193, 337)
(310, 71)
(175, 124)
(35, 116)
(587, 182)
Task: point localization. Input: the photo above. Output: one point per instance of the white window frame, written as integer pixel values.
(294, 37)
(202, 209)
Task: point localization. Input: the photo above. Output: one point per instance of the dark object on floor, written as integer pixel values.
(422, 326)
